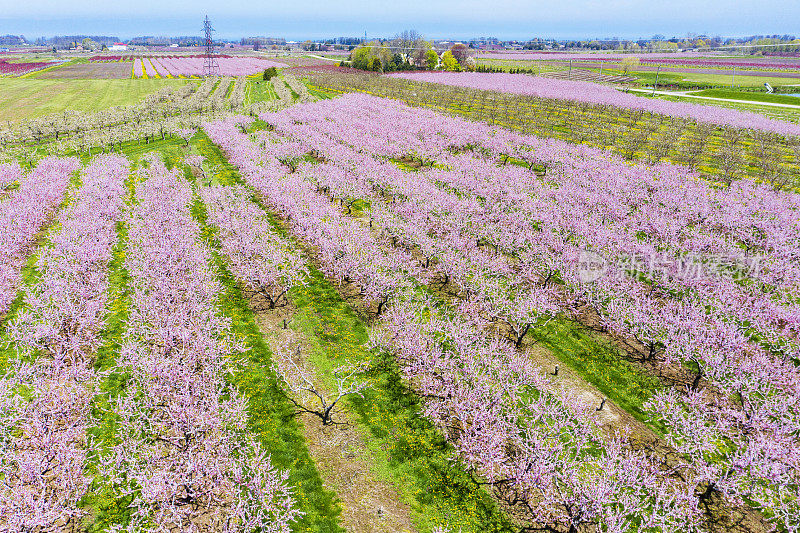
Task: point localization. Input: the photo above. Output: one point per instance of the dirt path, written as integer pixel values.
(611, 417)
(685, 95)
(325, 58)
(341, 454)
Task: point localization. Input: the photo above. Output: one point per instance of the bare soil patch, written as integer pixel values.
(103, 71)
(369, 504)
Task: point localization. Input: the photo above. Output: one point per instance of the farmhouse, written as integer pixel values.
(118, 47)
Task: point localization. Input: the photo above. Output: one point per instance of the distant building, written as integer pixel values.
(118, 47)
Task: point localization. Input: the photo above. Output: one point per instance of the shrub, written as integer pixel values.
(270, 73)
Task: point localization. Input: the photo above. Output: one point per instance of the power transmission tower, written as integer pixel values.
(210, 65)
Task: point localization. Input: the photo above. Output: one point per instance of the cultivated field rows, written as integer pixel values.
(11, 69)
(180, 442)
(686, 59)
(474, 376)
(173, 67)
(143, 438)
(720, 154)
(601, 94)
(459, 242)
(716, 372)
(170, 111)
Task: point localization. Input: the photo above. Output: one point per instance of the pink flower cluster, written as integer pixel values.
(510, 417)
(469, 215)
(10, 174)
(104, 59)
(64, 311)
(17, 69)
(594, 93)
(131, 57)
(24, 213)
(266, 263)
(182, 447)
(43, 458)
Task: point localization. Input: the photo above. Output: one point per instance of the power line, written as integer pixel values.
(210, 64)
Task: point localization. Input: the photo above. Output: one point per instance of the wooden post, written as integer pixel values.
(733, 79)
(569, 76)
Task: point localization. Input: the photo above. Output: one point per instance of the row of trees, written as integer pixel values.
(720, 154)
(520, 435)
(165, 112)
(159, 117)
(659, 43)
(681, 318)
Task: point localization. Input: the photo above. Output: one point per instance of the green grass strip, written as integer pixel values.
(105, 508)
(407, 451)
(270, 415)
(750, 96)
(602, 365)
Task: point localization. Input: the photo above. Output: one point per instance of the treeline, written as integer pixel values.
(409, 51)
(378, 57)
(497, 70)
(149, 40)
(776, 44)
(65, 41)
(347, 41)
(6, 40)
(263, 41)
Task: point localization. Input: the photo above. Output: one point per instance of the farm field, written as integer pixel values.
(720, 70)
(158, 67)
(684, 59)
(259, 90)
(634, 134)
(693, 80)
(28, 98)
(423, 276)
(21, 68)
(744, 78)
(580, 91)
(414, 299)
(87, 71)
(725, 79)
(785, 114)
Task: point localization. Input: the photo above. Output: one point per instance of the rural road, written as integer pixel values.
(684, 95)
(690, 70)
(325, 58)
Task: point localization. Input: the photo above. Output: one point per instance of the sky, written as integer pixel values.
(460, 19)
